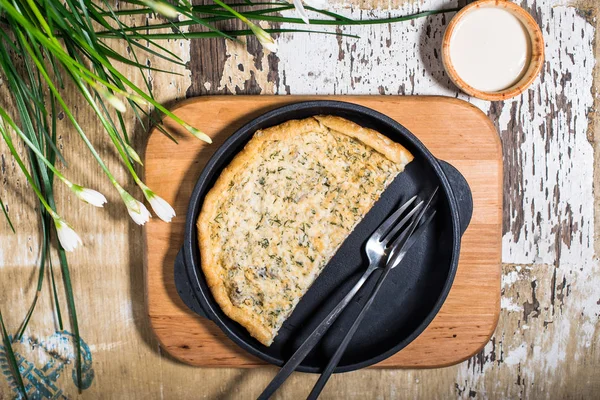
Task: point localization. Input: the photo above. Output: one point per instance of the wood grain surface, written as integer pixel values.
(547, 342)
(453, 130)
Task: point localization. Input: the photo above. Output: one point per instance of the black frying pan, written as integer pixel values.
(414, 291)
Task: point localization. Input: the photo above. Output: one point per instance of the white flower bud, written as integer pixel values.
(68, 238)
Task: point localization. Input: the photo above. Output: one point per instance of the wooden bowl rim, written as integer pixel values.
(537, 51)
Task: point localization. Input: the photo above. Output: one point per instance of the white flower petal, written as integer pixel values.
(113, 100)
(90, 196)
(270, 45)
(116, 102)
(141, 215)
(263, 37)
(161, 207)
(301, 11)
(68, 238)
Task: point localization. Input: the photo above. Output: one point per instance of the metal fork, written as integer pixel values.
(378, 252)
(400, 247)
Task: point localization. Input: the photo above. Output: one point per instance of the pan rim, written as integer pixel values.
(197, 199)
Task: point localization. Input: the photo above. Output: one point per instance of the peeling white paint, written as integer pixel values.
(507, 304)
(517, 355)
(106, 346)
(240, 68)
(510, 278)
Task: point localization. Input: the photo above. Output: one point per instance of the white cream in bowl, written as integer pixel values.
(490, 49)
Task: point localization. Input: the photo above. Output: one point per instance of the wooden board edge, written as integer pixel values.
(290, 99)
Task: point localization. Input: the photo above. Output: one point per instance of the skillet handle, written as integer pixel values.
(184, 286)
(462, 194)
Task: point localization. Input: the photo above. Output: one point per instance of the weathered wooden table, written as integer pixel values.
(547, 344)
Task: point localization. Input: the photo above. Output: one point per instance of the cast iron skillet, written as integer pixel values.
(414, 291)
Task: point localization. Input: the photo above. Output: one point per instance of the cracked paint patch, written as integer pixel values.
(243, 69)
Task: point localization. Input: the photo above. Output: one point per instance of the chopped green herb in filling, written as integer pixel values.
(293, 209)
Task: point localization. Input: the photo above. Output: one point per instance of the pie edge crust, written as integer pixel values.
(393, 151)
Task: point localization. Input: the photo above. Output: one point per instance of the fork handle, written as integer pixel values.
(314, 338)
(314, 394)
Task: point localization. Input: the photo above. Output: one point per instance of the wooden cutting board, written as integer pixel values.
(453, 130)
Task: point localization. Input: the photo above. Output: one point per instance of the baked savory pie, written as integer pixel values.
(282, 208)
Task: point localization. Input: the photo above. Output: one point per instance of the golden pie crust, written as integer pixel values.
(258, 280)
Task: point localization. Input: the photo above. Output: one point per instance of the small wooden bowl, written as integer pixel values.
(535, 63)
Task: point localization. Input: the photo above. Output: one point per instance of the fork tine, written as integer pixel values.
(399, 247)
(394, 261)
(386, 225)
(394, 230)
